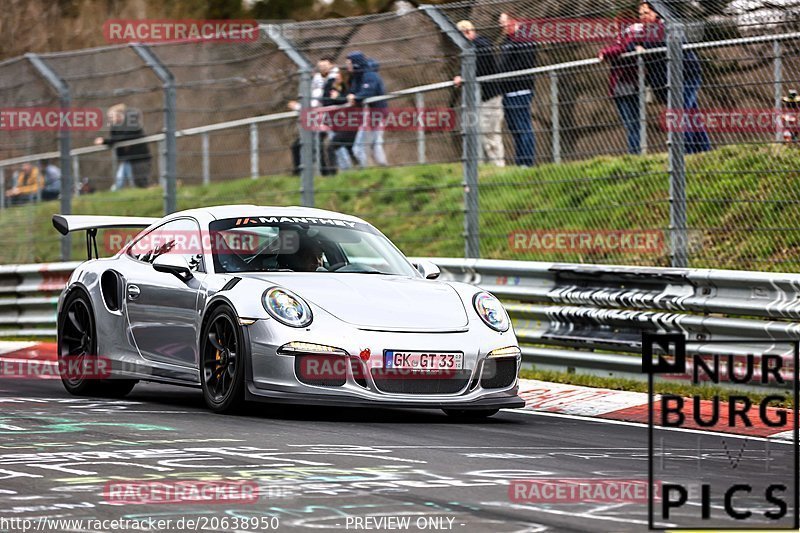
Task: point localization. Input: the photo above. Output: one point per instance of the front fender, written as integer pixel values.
(244, 296)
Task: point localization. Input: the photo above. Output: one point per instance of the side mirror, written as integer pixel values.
(174, 264)
(428, 270)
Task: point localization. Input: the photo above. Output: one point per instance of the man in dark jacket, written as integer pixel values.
(133, 162)
(491, 110)
(365, 82)
(657, 74)
(518, 53)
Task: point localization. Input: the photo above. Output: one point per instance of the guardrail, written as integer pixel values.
(28, 298)
(590, 318)
(572, 317)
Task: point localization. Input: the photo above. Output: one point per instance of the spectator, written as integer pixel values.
(326, 71)
(133, 162)
(52, 181)
(491, 110)
(657, 69)
(27, 184)
(518, 53)
(365, 82)
(340, 144)
(623, 85)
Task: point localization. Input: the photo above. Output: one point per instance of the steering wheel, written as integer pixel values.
(336, 266)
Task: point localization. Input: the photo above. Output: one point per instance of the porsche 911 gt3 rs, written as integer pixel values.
(284, 305)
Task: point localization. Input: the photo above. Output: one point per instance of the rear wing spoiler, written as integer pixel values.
(66, 224)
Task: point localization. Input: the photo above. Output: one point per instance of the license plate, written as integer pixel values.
(423, 360)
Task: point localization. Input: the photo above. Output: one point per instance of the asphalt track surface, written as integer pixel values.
(321, 469)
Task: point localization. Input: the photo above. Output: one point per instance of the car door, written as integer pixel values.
(162, 310)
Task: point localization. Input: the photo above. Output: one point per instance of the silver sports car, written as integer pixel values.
(283, 305)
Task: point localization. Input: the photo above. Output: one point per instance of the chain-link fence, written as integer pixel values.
(603, 132)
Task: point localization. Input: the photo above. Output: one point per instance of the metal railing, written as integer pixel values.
(569, 317)
(552, 71)
(28, 298)
(469, 105)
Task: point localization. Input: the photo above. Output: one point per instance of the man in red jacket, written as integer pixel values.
(623, 85)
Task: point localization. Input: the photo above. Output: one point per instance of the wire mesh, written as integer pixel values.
(578, 161)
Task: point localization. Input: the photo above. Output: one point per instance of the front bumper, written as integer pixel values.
(505, 400)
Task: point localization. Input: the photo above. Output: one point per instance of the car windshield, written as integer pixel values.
(304, 244)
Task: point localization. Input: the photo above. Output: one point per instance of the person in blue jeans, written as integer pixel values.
(365, 82)
(657, 76)
(623, 87)
(518, 53)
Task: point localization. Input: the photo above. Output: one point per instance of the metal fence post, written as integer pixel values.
(204, 147)
(471, 129)
(304, 67)
(253, 151)
(76, 174)
(306, 144)
(161, 148)
(554, 116)
(112, 155)
(64, 144)
(778, 72)
(2, 188)
(170, 124)
(419, 103)
(677, 150)
(642, 105)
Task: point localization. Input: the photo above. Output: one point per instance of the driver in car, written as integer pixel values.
(308, 257)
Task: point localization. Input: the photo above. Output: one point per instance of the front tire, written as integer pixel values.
(223, 353)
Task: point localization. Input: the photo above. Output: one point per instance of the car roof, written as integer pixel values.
(220, 212)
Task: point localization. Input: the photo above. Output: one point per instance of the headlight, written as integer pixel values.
(491, 311)
(287, 308)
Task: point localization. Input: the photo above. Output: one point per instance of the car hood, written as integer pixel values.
(388, 303)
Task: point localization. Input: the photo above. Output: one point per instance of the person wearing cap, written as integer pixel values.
(491, 109)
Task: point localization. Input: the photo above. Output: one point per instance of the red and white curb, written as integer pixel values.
(13, 355)
(542, 396)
